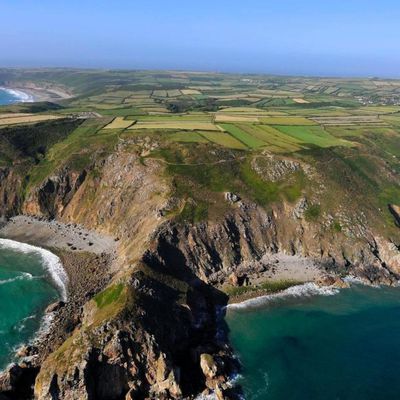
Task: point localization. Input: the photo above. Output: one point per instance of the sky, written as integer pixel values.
(303, 37)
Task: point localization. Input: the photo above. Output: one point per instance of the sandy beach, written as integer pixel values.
(31, 92)
(272, 270)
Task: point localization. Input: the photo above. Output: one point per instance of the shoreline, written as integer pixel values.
(51, 263)
(306, 289)
(30, 92)
(20, 96)
(85, 265)
(301, 289)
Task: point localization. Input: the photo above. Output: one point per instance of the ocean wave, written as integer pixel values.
(304, 290)
(23, 276)
(19, 95)
(22, 324)
(50, 262)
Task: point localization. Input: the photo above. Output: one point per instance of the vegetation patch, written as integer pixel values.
(109, 295)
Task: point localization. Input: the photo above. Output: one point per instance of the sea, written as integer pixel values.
(311, 344)
(10, 96)
(31, 278)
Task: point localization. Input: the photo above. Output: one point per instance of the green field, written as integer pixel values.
(352, 126)
(313, 135)
(224, 139)
(249, 140)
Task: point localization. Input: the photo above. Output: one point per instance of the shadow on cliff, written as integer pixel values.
(191, 316)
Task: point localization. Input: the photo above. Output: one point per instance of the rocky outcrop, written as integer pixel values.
(10, 192)
(54, 193)
(153, 330)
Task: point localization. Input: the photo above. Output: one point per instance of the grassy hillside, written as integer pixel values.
(217, 133)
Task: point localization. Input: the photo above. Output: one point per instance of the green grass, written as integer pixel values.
(81, 143)
(193, 212)
(275, 141)
(224, 139)
(313, 135)
(265, 193)
(249, 140)
(188, 137)
(313, 212)
(109, 295)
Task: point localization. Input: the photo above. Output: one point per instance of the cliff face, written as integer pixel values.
(10, 186)
(153, 332)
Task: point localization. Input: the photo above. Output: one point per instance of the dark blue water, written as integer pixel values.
(345, 346)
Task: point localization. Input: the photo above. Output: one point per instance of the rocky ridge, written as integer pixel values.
(151, 327)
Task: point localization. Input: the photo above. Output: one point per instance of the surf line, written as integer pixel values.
(51, 263)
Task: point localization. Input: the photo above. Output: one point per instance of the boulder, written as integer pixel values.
(232, 197)
(54, 307)
(208, 366)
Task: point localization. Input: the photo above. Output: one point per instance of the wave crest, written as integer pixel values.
(19, 95)
(50, 262)
(305, 290)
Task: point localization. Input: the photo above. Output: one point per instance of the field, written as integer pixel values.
(119, 123)
(224, 139)
(176, 125)
(212, 128)
(9, 119)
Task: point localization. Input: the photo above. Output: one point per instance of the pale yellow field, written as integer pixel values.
(27, 119)
(13, 115)
(159, 93)
(349, 120)
(286, 121)
(119, 123)
(178, 125)
(188, 92)
(234, 118)
(301, 101)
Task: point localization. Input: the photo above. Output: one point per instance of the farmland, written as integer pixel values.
(218, 132)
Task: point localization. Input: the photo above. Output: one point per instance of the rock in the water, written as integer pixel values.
(329, 280)
(54, 307)
(208, 366)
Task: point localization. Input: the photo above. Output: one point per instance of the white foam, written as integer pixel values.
(50, 262)
(19, 95)
(304, 290)
(24, 275)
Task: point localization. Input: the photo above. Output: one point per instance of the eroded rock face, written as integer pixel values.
(55, 193)
(10, 185)
(163, 343)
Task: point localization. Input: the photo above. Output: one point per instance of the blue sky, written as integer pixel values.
(324, 37)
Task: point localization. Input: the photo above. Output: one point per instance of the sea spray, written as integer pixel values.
(304, 290)
(50, 262)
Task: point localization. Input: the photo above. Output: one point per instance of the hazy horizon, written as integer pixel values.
(261, 37)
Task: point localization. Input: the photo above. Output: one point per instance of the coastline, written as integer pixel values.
(78, 269)
(50, 262)
(20, 96)
(30, 92)
(305, 289)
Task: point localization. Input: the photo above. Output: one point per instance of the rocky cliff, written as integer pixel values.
(154, 330)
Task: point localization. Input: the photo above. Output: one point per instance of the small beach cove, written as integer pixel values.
(30, 279)
(318, 343)
(58, 269)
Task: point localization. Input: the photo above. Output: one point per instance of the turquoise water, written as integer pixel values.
(26, 289)
(345, 346)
